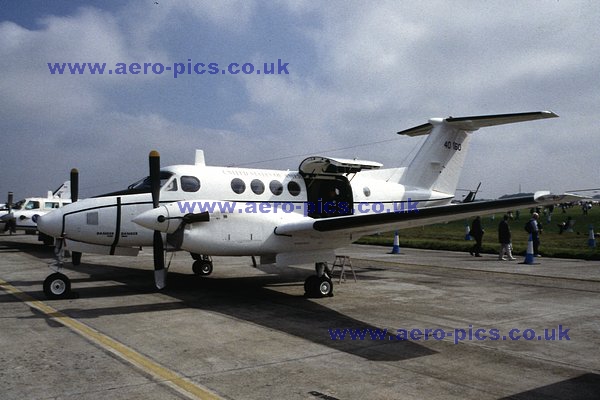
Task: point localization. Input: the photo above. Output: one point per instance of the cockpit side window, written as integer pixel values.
(171, 186)
(190, 183)
(32, 205)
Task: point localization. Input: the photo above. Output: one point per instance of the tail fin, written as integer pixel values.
(438, 164)
(63, 191)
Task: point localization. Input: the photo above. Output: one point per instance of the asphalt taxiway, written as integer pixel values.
(247, 333)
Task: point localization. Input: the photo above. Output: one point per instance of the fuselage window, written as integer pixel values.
(367, 191)
(51, 204)
(276, 187)
(293, 188)
(190, 184)
(238, 185)
(257, 186)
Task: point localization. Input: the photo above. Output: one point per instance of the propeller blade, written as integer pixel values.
(154, 161)
(159, 261)
(9, 201)
(160, 273)
(74, 185)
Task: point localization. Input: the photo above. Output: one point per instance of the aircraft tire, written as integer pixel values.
(318, 287)
(202, 268)
(57, 286)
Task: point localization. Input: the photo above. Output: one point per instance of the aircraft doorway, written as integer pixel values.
(329, 193)
(328, 196)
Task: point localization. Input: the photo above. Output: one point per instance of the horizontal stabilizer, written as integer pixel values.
(479, 121)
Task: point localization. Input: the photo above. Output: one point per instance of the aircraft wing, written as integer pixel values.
(365, 224)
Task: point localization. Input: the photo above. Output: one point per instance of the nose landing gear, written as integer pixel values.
(57, 285)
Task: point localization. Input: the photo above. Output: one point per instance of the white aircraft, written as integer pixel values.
(287, 217)
(25, 213)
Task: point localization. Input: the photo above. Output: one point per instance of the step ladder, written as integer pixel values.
(342, 262)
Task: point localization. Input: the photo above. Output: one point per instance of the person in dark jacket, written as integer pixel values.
(534, 228)
(505, 239)
(477, 234)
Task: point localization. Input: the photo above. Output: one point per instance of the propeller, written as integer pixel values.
(8, 217)
(74, 185)
(75, 255)
(160, 273)
(175, 239)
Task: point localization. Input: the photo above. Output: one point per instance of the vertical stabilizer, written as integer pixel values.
(63, 191)
(438, 164)
(440, 159)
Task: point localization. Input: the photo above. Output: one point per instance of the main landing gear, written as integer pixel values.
(203, 265)
(319, 285)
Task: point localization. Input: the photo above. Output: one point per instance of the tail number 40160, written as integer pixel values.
(452, 145)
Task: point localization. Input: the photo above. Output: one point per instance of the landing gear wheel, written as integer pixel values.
(315, 286)
(202, 268)
(57, 286)
(76, 258)
(325, 287)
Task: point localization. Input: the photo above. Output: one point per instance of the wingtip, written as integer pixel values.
(550, 114)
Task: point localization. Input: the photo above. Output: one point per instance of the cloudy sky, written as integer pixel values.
(358, 73)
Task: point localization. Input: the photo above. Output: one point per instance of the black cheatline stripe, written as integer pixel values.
(117, 228)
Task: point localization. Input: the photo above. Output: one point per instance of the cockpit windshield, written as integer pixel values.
(18, 205)
(144, 184)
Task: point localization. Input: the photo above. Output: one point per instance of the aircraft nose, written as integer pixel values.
(51, 223)
(156, 219)
(7, 216)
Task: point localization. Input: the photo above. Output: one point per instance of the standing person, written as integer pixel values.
(505, 239)
(477, 234)
(533, 228)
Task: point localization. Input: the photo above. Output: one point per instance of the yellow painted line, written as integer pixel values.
(165, 375)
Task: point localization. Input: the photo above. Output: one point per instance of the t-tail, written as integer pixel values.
(438, 164)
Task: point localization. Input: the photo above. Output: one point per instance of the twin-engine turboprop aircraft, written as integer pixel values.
(281, 216)
(24, 214)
